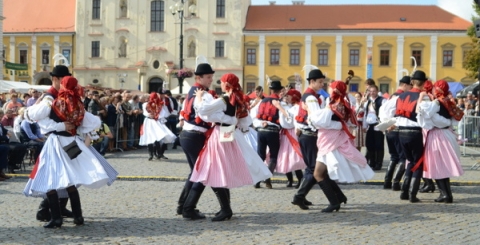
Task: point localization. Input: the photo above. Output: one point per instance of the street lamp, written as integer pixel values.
(178, 8)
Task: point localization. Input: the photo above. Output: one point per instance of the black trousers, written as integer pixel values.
(412, 145)
(308, 146)
(192, 143)
(270, 139)
(374, 140)
(16, 154)
(394, 147)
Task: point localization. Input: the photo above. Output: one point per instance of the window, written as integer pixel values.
(384, 57)
(354, 57)
(23, 56)
(66, 54)
(95, 48)
(384, 88)
(294, 56)
(157, 15)
(447, 58)
(96, 9)
(353, 87)
(251, 56)
(219, 48)
(323, 57)
(274, 56)
(418, 57)
(220, 8)
(45, 57)
(250, 87)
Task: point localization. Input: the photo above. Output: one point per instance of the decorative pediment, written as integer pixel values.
(448, 46)
(448, 79)
(355, 79)
(275, 45)
(385, 45)
(251, 44)
(323, 45)
(250, 77)
(384, 79)
(122, 30)
(355, 45)
(467, 46)
(22, 45)
(45, 45)
(275, 78)
(295, 45)
(417, 45)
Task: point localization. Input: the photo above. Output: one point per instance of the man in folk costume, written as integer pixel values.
(308, 135)
(58, 72)
(267, 123)
(397, 157)
(410, 135)
(374, 140)
(192, 140)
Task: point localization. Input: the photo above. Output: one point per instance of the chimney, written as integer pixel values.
(272, 2)
(298, 2)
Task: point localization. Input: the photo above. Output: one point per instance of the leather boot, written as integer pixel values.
(76, 205)
(290, 179)
(371, 159)
(150, 151)
(442, 189)
(331, 196)
(157, 149)
(223, 199)
(43, 213)
(387, 184)
(163, 148)
(63, 208)
(228, 195)
(340, 196)
(268, 183)
(428, 187)
(56, 217)
(448, 191)
(299, 175)
(189, 211)
(183, 197)
(305, 186)
(397, 176)
(405, 187)
(379, 159)
(414, 186)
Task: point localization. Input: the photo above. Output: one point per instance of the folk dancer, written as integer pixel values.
(214, 166)
(441, 158)
(151, 131)
(428, 184)
(374, 140)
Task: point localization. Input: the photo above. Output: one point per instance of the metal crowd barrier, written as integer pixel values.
(469, 130)
(118, 131)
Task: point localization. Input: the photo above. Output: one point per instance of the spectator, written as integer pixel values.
(128, 126)
(30, 135)
(94, 106)
(16, 150)
(8, 118)
(172, 120)
(12, 92)
(87, 99)
(136, 112)
(34, 98)
(26, 97)
(114, 117)
(14, 104)
(101, 144)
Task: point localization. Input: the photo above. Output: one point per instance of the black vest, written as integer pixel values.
(407, 105)
(230, 111)
(189, 103)
(378, 103)
(444, 112)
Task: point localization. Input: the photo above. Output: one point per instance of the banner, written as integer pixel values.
(15, 66)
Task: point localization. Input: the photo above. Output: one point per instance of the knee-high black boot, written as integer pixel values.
(305, 186)
(445, 191)
(299, 175)
(271, 166)
(397, 176)
(405, 187)
(43, 213)
(449, 191)
(414, 187)
(63, 208)
(371, 157)
(163, 148)
(290, 179)
(157, 149)
(76, 205)
(189, 211)
(429, 186)
(331, 196)
(379, 159)
(183, 196)
(389, 175)
(224, 200)
(340, 196)
(56, 217)
(150, 151)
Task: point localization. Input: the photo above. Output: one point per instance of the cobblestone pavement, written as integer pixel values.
(143, 212)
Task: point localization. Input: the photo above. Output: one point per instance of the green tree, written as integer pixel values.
(471, 62)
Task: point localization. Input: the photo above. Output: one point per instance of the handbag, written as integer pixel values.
(72, 150)
(227, 133)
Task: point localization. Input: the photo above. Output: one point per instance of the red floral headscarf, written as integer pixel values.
(296, 95)
(340, 107)
(154, 106)
(68, 106)
(236, 96)
(428, 86)
(440, 91)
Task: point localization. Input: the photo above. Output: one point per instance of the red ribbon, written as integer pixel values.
(295, 144)
(35, 168)
(207, 136)
(421, 160)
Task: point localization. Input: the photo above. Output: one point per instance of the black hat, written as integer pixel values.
(60, 71)
(276, 85)
(95, 92)
(167, 92)
(405, 79)
(160, 90)
(419, 75)
(315, 74)
(204, 68)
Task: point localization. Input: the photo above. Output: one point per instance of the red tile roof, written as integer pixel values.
(39, 16)
(352, 17)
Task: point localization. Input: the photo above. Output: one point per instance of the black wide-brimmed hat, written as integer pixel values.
(315, 74)
(204, 68)
(405, 79)
(160, 90)
(419, 75)
(60, 71)
(276, 85)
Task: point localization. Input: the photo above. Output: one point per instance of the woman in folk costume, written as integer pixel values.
(441, 156)
(337, 158)
(250, 133)
(289, 154)
(59, 170)
(152, 131)
(225, 165)
(161, 146)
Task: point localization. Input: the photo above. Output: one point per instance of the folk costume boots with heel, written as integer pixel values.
(189, 211)
(289, 179)
(414, 187)
(300, 197)
(76, 205)
(445, 191)
(428, 186)
(397, 176)
(43, 213)
(56, 217)
(379, 160)
(150, 151)
(340, 196)
(63, 208)
(387, 184)
(331, 196)
(224, 200)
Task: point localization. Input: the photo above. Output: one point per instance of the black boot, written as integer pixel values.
(63, 208)
(379, 160)
(183, 197)
(56, 219)
(189, 211)
(442, 188)
(257, 185)
(150, 151)
(331, 196)
(340, 196)
(76, 205)
(224, 200)
(43, 213)
(157, 149)
(268, 183)
(405, 187)
(290, 179)
(397, 176)
(428, 187)
(414, 186)
(371, 159)
(228, 195)
(163, 148)
(389, 175)
(449, 191)
(305, 186)
(299, 175)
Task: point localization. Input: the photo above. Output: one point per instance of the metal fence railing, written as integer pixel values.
(469, 130)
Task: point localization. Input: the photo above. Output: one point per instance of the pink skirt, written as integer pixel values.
(442, 155)
(288, 159)
(221, 164)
